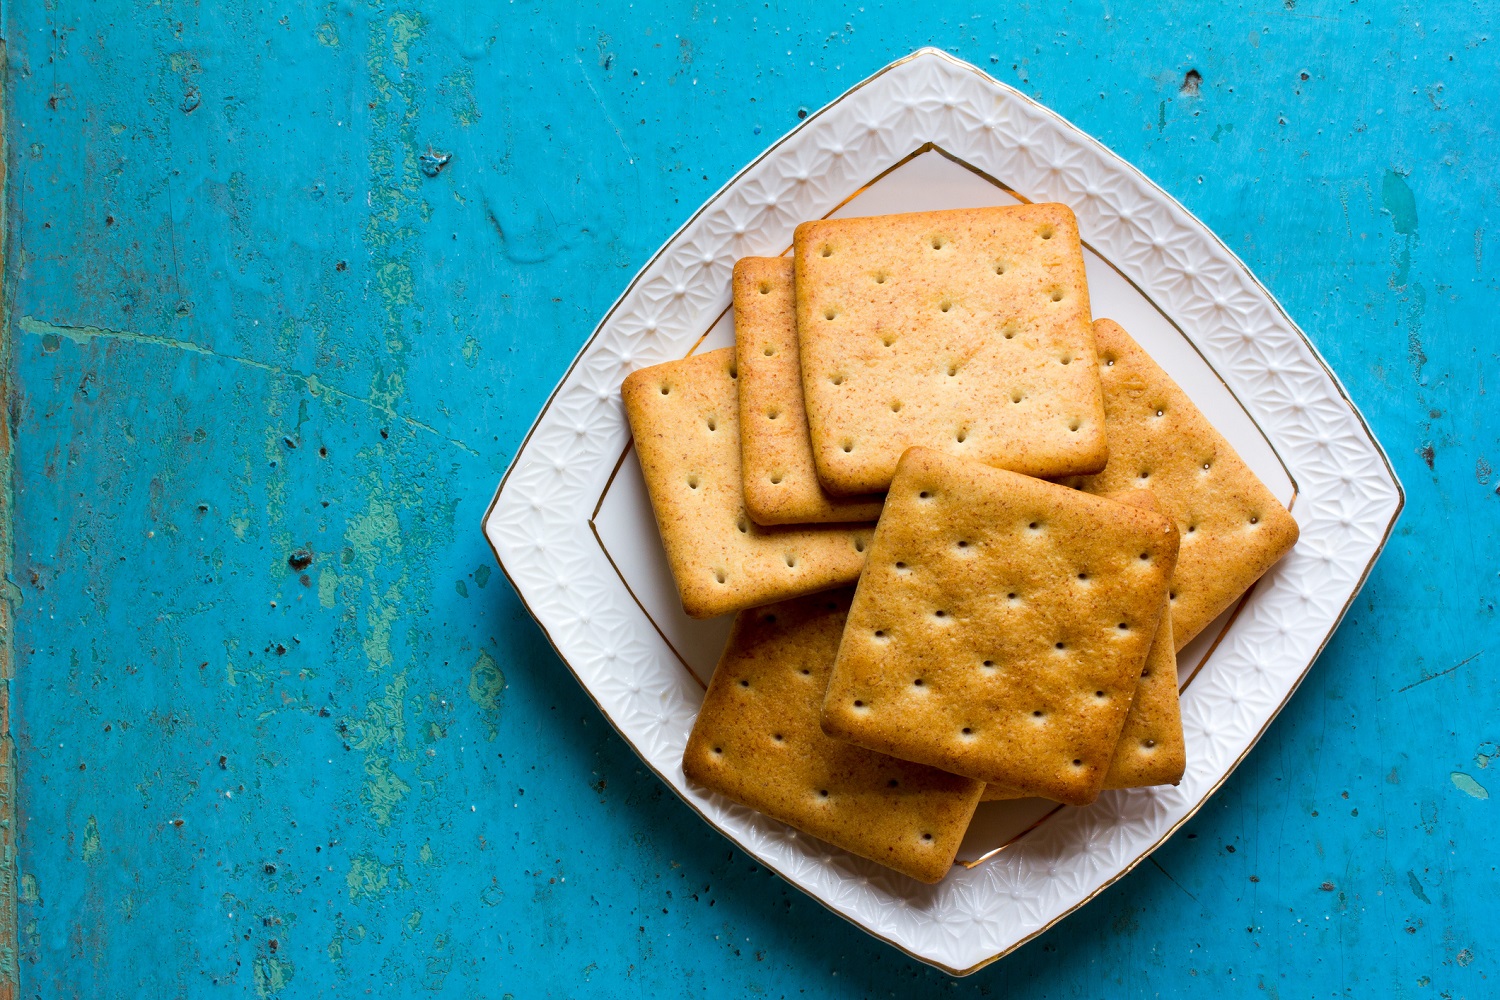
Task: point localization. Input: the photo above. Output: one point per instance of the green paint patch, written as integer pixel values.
(383, 790)
(375, 538)
(272, 975)
(460, 87)
(386, 388)
(1397, 199)
(92, 849)
(487, 689)
(286, 335)
(396, 283)
(342, 933)
(31, 892)
(183, 63)
(461, 587)
(470, 351)
(328, 588)
(1416, 887)
(368, 878)
(1220, 131)
(1486, 752)
(381, 735)
(1468, 785)
(87, 334)
(482, 575)
(440, 963)
(328, 35)
(406, 30)
(384, 724)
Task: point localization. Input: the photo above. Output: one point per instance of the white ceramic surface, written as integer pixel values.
(573, 531)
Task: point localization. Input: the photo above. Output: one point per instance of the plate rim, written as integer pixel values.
(1159, 195)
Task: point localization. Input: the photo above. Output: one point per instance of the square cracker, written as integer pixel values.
(1000, 626)
(1233, 529)
(685, 419)
(757, 741)
(965, 331)
(781, 484)
(1151, 749)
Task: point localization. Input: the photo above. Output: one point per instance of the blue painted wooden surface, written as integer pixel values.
(284, 731)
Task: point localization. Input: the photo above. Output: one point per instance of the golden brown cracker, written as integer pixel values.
(781, 483)
(1000, 626)
(1233, 529)
(684, 416)
(757, 741)
(1151, 749)
(966, 331)
(1000, 793)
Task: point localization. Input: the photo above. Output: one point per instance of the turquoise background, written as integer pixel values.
(284, 730)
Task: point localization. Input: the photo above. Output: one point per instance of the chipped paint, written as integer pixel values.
(375, 539)
(272, 975)
(1400, 204)
(369, 878)
(1465, 783)
(92, 849)
(486, 689)
(328, 588)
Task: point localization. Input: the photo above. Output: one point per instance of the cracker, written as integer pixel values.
(685, 419)
(1000, 626)
(781, 484)
(1000, 793)
(757, 741)
(964, 331)
(1151, 749)
(1233, 528)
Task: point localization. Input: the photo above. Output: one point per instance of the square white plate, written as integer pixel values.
(573, 530)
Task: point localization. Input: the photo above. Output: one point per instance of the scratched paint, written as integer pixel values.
(255, 316)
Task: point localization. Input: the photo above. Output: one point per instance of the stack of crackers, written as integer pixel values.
(1033, 516)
